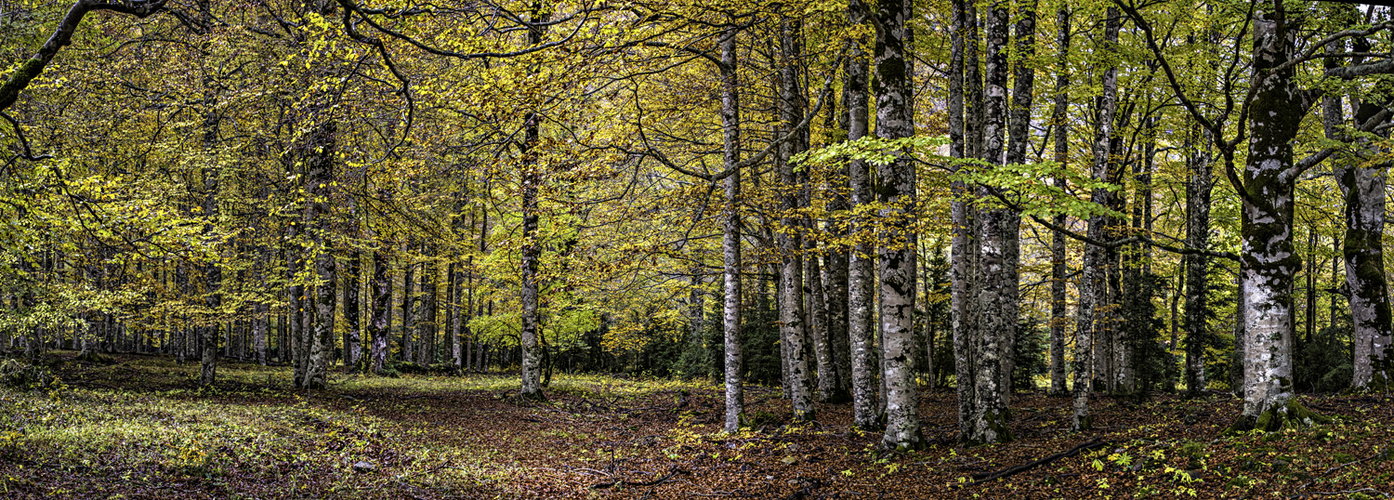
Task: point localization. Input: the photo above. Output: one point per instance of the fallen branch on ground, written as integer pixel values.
(984, 477)
(1346, 492)
(620, 482)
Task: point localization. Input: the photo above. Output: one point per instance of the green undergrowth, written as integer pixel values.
(224, 447)
(144, 424)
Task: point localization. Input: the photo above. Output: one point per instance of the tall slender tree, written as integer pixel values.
(1059, 270)
(896, 246)
(860, 274)
(731, 229)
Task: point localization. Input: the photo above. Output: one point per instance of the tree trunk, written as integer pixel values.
(213, 273)
(896, 241)
(1092, 284)
(859, 271)
(458, 309)
(380, 309)
(319, 179)
(1269, 259)
(261, 312)
(1363, 186)
(836, 291)
(965, 142)
(1059, 269)
(427, 326)
(1018, 137)
(987, 418)
(731, 233)
(531, 386)
(353, 348)
(817, 315)
(1197, 236)
(792, 327)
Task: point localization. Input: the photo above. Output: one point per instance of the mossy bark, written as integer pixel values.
(1364, 189)
(1269, 259)
(1291, 415)
(62, 36)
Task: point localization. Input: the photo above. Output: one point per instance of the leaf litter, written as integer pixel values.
(141, 428)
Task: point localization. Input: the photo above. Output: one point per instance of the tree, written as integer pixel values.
(1361, 179)
(860, 274)
(1091, 284)
(730, 230)
(896, 251)
(1059, 269)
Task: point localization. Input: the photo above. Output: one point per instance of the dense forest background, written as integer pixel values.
(849, 200)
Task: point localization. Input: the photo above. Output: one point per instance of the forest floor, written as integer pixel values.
(136, 427)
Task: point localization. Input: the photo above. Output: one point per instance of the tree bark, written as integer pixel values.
(428, 325)
(319, 179)
(964, 143)
(1018, 137)
(531, 386)
(1269, 259)
(353, 349)
(1059, 269)
(817, 314)
(62, 36)
(1092, 284)
(380, 308)
(835, 287)
(792, 327)
(897, 241)
(731, 233)
(859, 271)
(1198, 190)
(988, 414)
(1363, 186)
(213, 274)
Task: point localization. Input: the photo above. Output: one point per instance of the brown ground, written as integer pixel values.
(599, 437)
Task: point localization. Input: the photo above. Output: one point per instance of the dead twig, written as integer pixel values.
(1346, 492)
(586, 469)
(984, 477)
(621, 482)
(1338, 466)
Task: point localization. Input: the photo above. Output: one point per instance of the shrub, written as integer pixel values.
(20, 375)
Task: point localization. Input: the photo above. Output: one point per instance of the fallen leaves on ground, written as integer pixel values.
(139, 428)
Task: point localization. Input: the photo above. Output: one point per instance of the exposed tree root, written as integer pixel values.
(1289, 416)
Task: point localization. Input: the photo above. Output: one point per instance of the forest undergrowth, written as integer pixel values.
(137, 427)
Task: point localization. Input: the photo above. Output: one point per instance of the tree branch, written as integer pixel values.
(1115, 243)
(62, 36)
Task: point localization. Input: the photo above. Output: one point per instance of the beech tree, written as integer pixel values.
(896, 252)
